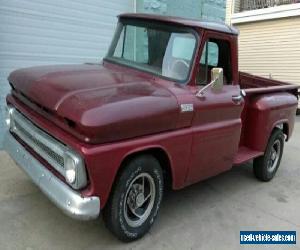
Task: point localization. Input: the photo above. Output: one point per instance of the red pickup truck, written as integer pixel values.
(167, 106)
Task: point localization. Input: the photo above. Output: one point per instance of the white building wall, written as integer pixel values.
(43, 32)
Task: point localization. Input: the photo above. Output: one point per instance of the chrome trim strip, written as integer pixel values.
(70, 202)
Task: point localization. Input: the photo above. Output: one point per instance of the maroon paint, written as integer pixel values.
(109, 112)
(124, 98)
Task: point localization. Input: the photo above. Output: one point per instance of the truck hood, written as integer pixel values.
(103, 103)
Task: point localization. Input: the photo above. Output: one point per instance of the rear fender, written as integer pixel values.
(266, 112)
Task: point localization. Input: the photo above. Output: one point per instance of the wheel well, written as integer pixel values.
(285, 129)
(162, 158)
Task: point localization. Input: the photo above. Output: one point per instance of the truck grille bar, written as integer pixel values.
(43, 144)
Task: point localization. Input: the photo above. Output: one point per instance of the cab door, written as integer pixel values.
(217, 114)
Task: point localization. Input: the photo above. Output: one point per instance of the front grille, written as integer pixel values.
(42, 143)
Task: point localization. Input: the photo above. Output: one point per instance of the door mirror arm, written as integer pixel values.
(215, 84)
(200, 93)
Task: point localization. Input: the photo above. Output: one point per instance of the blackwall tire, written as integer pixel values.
(266, 166)
(135, 199)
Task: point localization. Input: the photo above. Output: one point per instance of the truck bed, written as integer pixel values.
(254, 118)
(256, 84)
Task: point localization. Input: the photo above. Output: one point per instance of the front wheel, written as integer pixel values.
(135, 199)
(266, 166)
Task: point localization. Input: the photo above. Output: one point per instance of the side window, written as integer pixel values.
(212, 56)
(216, 53)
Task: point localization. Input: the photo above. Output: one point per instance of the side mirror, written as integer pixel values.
(217, 77)
(216, 81)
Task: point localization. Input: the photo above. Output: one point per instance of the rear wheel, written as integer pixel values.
(135, 199)
(266, 166)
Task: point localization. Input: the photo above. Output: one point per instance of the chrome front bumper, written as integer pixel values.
(64, 197)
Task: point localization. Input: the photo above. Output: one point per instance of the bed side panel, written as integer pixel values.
(264, 113)
(249, 81)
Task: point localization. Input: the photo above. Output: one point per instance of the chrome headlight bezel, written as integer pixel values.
(14, 117)
(75, 165)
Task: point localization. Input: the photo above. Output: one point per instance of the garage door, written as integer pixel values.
(40, 32)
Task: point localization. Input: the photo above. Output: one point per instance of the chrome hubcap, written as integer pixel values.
(139, 199)
(274, 156)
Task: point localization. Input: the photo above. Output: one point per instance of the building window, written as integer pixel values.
(246, 5)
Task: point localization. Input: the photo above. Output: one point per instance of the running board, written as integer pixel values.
(245, 154)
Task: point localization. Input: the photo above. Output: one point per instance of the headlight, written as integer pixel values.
(75, 173)
(70, 170)
(8, 114)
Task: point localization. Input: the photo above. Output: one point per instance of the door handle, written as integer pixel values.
(237, 99)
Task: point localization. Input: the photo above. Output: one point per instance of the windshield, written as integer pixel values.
(160, 49)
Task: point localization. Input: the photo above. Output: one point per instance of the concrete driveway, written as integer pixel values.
(208, 215)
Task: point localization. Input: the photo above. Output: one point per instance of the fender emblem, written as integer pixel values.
(187, 107)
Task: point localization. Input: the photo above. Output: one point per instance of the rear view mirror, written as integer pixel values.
(216, 81)
(217, 78)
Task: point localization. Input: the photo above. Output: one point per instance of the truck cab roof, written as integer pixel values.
(209, 25)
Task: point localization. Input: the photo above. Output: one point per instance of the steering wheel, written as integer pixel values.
(179, 63)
